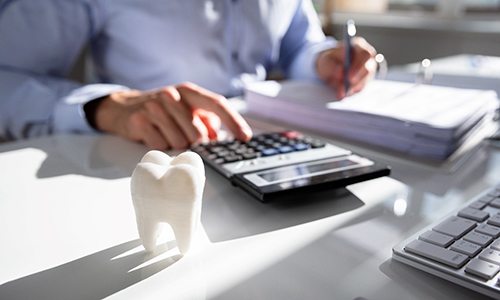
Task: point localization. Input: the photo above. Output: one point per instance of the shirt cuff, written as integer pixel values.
(69, 116)
(304, 66)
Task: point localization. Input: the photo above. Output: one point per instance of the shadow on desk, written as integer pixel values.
(95, 276)
(239, 215)
(102, 156)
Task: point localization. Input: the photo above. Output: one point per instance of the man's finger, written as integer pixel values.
(180, 112)
(358, 86)
(198, 97)
(363, 52)
(168, 128)
(140, 128)
(211, 121)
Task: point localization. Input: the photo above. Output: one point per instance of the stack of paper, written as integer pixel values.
(420, 120)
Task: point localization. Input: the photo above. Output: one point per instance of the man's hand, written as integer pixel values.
(330, 67)
(173, 117)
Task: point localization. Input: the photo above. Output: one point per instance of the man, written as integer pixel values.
(161, 66)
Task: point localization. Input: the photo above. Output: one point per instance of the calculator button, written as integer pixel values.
(199, 149)
(219, 161)
(223, 153)
(285, 149)
(317, 144)
(260, 148)
(269, 152)
(240, 150)
(301, 147)
(283, 140)
(217, 149)
(275, 135)
(269, 142)
(252, 144)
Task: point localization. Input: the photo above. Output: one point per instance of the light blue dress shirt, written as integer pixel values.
(142, 44)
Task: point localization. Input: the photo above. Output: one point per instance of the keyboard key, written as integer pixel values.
(486, 199)
(482, 268)
(478, 238)
(455, 226)
(478, 204)
(489, 230)
(494, 193)
(466, 248)
(436, 238)
(473, 214)
(494, 220)
(480, 243)
(436, 253)
(490, 255)
(496, 245)
(495, 202)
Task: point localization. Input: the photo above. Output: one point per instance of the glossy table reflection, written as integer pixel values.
(68, 229)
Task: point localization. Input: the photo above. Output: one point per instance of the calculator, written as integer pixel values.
(274, 165)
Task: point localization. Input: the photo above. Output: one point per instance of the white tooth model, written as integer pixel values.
(169, 190)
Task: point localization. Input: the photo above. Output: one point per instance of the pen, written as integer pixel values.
(349, 33)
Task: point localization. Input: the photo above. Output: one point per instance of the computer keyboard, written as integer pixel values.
(463, 248)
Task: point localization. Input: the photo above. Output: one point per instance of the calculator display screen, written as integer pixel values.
(303, 170)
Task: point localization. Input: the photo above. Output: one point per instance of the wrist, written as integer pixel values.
(90, 109)
(104, 115)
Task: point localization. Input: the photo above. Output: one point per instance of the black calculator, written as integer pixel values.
(272, 165)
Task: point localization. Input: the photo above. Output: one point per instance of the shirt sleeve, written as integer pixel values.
(35, 59)
(302, 43)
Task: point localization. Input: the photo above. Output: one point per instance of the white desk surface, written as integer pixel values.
(68, 230)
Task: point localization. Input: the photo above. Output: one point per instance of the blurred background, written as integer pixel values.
(407, 31)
